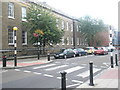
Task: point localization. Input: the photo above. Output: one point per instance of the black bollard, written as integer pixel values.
(63, 80)
(48, 56)
(91, 73)
(116, 60)
(4, 60)
(111, 58)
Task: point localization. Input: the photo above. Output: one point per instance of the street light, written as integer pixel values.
(15, 46)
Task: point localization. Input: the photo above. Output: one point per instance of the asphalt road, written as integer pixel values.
(48, 76)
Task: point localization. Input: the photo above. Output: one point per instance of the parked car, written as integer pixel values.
(80, 52)
(101, 50)
(64, 53)
(89, 50)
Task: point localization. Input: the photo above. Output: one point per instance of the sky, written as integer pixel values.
(107, 10)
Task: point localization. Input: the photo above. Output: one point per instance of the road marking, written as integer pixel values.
(84, 64)
(103, 66)
(60, 78)
(68, 59)
(57, 67)
(26, 71)
(70, 70)
(77, 81)
(47, 75)
(44, 66)
(17, 69)
(57, 62)
(37, 73)
(4, 71)
(86, 73)
(72, 85)
(106, 64)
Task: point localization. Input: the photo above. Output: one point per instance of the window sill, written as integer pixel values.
(11, 44)
(24, 44)
(24, 20)
(11, 17)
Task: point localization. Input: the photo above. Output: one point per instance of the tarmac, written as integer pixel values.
(106, 80)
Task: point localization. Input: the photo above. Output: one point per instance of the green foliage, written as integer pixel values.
(89, 27)
(39, 18)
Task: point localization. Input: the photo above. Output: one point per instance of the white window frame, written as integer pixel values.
(12, 31)
(77, 28)
(11, 10)
(67, 40)
(24, 13)
(67, 24)
(63, 41)
(72, 41)
(71, 27)
(78, 41)
(25, 37)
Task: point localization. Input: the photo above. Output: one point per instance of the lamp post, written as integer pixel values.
(15, 46)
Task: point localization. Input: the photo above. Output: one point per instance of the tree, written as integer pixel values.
(90, 27)
(39, 18)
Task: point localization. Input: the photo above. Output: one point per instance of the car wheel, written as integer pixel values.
(74, 55)
(65, 56)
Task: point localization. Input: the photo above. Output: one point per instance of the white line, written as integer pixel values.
(77, 81)
(17, 69)
(4, 71)
(26, 71)
(57, 67)
(36, 73)
(72, 85)
(60, 78)
(44, 66)
(86, 73)
(48, 75)
(70, 70)
(106, 64)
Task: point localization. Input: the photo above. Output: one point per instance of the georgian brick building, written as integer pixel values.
(13, 13)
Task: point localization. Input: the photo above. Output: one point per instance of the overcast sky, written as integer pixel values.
(107, 10)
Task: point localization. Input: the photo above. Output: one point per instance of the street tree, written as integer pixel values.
(43, 21)
(89, 27)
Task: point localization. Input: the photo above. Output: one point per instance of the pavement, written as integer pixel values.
(107, 80)
(25, 62)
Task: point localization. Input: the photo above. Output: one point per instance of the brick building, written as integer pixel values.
(13, 13)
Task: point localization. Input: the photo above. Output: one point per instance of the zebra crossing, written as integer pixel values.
(76, 74)
(56, 68)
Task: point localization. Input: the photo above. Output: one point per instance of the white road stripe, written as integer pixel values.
(86, 73)
(70, 70)
(17, 69)
(77, 81)
(106, 64)
(57, 67)
(44, 66)
(26, 71)
(36, 73)
(47, 75)
(60, 78)
(4, 71)
(72, 85)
